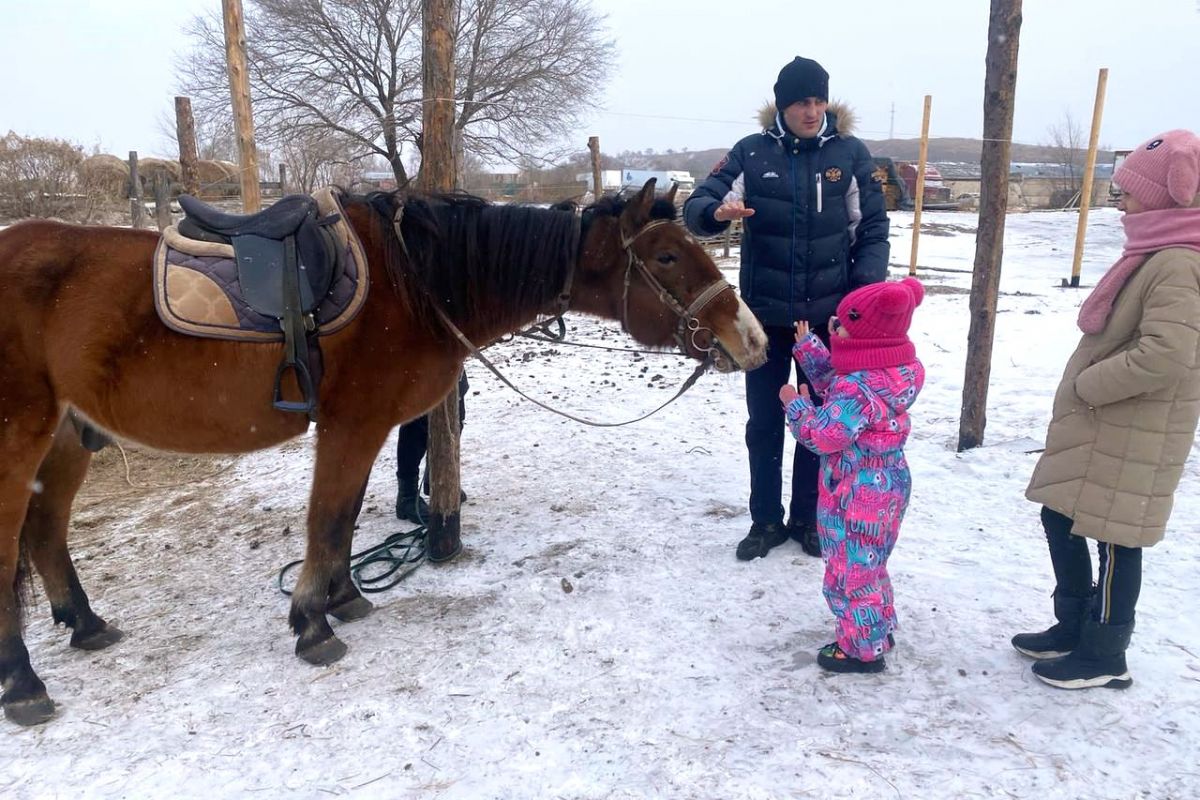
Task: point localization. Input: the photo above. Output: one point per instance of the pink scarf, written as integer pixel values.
(1145, 232)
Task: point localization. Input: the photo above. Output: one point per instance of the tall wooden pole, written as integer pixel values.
(597, 175)
(920, 192)
(1089, 167)
(443, 533)
(239, 90)
(136, 210)
(999, 94)
(185, 134)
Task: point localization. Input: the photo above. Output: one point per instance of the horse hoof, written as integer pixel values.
(97, 639)
(352, 610)
(29, 712)
(322, 653)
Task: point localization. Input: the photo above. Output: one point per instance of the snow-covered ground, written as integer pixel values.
(669, 669)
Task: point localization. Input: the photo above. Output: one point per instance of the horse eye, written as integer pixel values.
(667, 258)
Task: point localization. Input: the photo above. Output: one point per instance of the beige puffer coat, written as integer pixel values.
(1125, 413)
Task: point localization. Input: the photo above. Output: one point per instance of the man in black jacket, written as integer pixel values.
(814, 228)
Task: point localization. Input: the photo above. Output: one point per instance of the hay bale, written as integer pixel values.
(210, 172)
(105, 176)
(150, 168)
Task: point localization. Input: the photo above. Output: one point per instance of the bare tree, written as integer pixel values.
(1069, 152)
(351, 69)
(318, 158)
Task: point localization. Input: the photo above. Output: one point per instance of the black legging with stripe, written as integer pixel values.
(1120, 579)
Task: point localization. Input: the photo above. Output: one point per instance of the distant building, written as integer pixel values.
(385, 181)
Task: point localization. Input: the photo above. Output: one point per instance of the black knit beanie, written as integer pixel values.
(801, 78)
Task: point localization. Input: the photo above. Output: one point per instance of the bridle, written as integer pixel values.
(689, 322)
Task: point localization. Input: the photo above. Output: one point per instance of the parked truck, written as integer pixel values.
(636, 179)
(616, 180)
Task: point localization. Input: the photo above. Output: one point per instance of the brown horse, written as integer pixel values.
(80, 332)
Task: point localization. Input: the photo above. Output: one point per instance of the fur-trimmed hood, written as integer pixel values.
(840, 115)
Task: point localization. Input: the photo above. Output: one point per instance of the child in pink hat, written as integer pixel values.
(868, 382)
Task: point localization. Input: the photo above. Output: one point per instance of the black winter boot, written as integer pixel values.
(804, 531)
(1098, 660)
(760, 540)
(409, 503)
(1059, 639)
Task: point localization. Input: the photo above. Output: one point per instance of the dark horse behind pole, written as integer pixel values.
(79, 331)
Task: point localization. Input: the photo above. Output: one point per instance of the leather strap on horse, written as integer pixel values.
(296, 349)
(564, 300)
(700, 368)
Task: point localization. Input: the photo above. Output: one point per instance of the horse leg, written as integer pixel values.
(45, 535)
(346, 602)
(343, 464)
(25, 436)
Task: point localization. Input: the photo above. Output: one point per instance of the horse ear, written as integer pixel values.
(637, 210)
(670, 195)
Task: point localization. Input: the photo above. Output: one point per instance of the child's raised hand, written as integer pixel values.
(788, 393)
(801, 330)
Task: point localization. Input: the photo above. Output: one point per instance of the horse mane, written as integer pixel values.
(611, 205)
(487, 263)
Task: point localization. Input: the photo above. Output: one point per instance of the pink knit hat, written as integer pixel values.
(877, 317)
(1163, 172)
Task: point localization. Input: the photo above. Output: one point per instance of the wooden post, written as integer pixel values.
(999, 92)
(919, 200)
(1089, 167)
(136, 210)
(597, 175)
(443, 539)
(185, 134)
(283, 180)
(239, 90)
(162, 200)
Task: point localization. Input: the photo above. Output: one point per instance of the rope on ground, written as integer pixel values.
(188, 482)
(371, 567)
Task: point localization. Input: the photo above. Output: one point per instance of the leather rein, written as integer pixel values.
(689, 324)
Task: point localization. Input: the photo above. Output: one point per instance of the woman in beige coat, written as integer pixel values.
(1124, 419)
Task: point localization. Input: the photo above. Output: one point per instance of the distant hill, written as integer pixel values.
(943, 150)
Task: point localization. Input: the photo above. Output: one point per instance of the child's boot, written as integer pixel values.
(1098, 659)
(1059, 639)
(833, 658)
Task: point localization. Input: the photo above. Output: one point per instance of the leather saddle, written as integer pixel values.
(287, 260)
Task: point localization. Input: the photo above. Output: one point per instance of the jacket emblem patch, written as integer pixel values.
(721, 163)
(833, 174)
(770, 174)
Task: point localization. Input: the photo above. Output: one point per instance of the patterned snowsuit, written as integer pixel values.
(859, 432)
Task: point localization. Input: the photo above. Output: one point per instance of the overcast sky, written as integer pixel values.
(690, 73)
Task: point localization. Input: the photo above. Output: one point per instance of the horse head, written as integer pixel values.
(662, 285)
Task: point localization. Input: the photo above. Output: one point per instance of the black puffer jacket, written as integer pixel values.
(819, 229)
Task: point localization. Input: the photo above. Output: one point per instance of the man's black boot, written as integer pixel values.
(804, 531)
(760, 540)
(409, 503)
(1059, 639)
